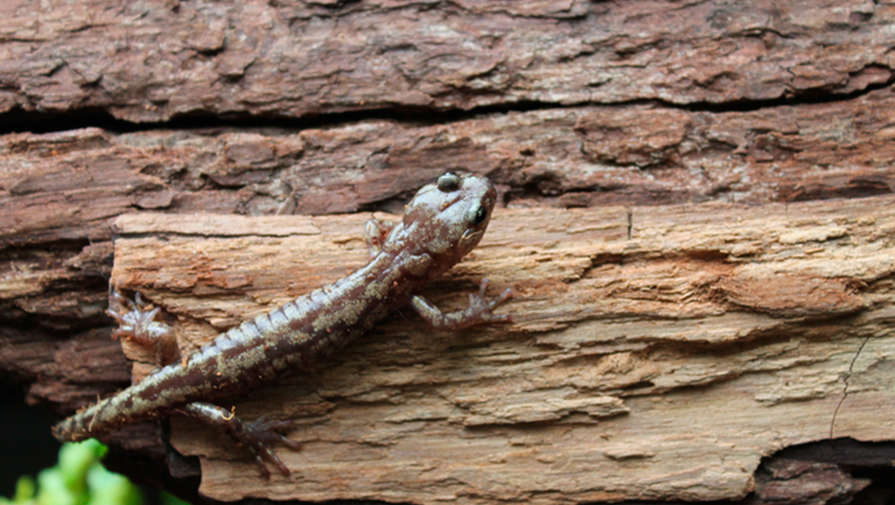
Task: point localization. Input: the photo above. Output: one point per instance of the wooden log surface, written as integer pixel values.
(744, 138)
(657, 359)
(157, 60)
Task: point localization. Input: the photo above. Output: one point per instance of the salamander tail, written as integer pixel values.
(72, 429)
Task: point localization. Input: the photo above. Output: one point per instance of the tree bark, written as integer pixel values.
(696, 217)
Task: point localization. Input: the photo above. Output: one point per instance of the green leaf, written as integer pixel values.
(25, 489)
(75, 459)
(52, 489)
(108, 488)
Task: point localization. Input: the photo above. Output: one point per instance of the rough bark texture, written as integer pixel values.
(723, 292)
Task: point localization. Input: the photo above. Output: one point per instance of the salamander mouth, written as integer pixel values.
(471, 237)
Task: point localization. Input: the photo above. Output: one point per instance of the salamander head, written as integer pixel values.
(447, 218)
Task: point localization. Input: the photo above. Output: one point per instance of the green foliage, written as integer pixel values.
(78, 479)
(169, 499)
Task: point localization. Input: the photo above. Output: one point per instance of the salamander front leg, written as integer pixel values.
(478, 312)
(375, 233)
(257, 436)
(137, 322)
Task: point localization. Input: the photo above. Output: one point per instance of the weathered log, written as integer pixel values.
(659, 356)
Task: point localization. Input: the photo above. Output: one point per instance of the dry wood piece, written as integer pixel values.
(156, 60)
(65, 186)
(656, 361)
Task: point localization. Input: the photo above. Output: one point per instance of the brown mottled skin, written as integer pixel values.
(443, 222)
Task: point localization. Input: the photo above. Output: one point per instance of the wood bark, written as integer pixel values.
(696, 216)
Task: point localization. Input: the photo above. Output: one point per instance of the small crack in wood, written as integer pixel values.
(845, 378)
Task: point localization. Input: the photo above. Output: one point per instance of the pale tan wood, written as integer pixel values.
(660, 362)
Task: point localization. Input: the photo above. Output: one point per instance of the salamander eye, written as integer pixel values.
(478, 215)
(448, 182)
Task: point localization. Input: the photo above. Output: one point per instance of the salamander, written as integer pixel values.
(444, 221)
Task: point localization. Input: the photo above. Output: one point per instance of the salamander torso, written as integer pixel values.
(443, 222)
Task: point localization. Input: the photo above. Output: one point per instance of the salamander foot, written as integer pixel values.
(258, 436)
(137, 322)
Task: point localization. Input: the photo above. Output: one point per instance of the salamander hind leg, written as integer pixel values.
(257, 436)
(137, 321)
(478, 312)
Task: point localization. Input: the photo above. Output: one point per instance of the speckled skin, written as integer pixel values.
(443, 222)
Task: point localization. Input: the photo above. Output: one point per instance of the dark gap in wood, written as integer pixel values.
(19, 120)
(802, 97)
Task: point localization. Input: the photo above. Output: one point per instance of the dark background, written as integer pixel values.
(28, 446)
